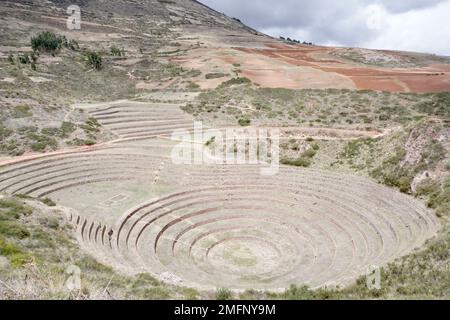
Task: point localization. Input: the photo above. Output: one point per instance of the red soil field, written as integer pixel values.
(433, 78)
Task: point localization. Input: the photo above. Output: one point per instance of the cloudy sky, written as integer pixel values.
(414, 25)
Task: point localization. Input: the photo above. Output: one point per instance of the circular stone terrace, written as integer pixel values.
(218, 225)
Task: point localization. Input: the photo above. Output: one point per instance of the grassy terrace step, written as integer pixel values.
(146, 120)
(153, 128)
(136, 106)
(72, 175)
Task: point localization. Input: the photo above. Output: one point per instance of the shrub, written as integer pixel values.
(224, 294)
(73, 45)
(235, 81)
(42, 142)
(117, 52)
(47, 41)
(24, 59)
(190, 294)
(244, 122)
(439, 198)
(400, 178)
(210, 141)
(94, 60)
(82, 142)
(66, 129)
(13, 229)
(434, 153)
(215, 75)
(192, 86)
(299, 293)
(300, 162)
(91, 126)
(353, 149)
(49, 202)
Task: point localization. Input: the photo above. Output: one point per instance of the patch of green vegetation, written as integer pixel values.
(24, 59)
(42, 142)
(89, 263)
(192, 86)
(215, 75)
(437, 105)
(189, 108)
(353, 148)
(47, 41)
(299, 162)
(433, 154)
(210, 141)
(305, 160)
(12, 229)
(438, 196)
(15, 254)
(224, 294)
(392, 174)
(13, 208)
(64, 131)
(94, 60)
(4, 132)
(49, 250)
(115, 51)
(49, 202)
(400, 179)
(234, 82)
(295, 292)
(91, 127)
(191, 294)
(244, 122)
(21, 111)
(146, 286)
(421, 274)
(10, 211)
(82, 142)
(72, 45)
(362, 110)
(145, 279)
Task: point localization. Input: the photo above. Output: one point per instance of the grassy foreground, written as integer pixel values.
(37, 251)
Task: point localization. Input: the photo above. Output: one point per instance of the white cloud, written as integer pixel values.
(413, 25)
(426, 30)
(375, 16)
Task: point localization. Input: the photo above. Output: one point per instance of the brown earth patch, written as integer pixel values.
(433, 78)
